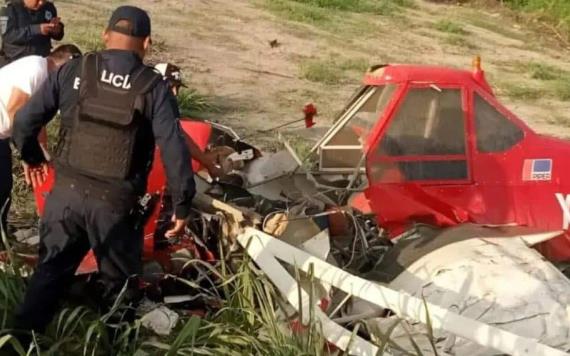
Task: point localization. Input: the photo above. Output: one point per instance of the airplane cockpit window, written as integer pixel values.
(430, 121)
(495, 133)
(342, 147)
(425, 140)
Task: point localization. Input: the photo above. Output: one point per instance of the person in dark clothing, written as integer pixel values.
(113, 111)
(30, 27)
(172, 74)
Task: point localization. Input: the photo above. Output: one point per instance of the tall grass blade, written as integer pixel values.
(9, 339)
(188, 332)
(412, 340)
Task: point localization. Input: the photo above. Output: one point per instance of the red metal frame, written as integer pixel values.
(495, 192)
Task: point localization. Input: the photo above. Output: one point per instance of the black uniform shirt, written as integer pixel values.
(23, 37)
(60, 91)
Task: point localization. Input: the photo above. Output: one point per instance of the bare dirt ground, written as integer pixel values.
(223, 47)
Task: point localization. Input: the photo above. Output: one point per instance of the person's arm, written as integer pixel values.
(175, 155)
(198, 155)
(29, 121)
(43, 141)
(43, 138)
(17, 99)
(20, 35)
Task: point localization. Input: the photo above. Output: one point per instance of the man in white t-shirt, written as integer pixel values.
(19, 80)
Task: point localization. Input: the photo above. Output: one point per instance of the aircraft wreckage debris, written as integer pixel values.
(384, 216)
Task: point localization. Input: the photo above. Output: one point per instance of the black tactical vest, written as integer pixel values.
(103, 134)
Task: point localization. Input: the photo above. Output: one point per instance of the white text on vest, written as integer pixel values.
(115, 80)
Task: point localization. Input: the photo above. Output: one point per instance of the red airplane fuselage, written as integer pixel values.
(445, 151)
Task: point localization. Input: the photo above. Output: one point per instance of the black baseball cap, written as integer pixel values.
(138, 21)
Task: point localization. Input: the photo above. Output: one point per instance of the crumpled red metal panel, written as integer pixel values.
(398, 205)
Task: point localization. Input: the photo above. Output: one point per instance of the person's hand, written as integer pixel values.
(214, 169)
(35, 175)
(58, 26)
(178, 229)
(47, 28)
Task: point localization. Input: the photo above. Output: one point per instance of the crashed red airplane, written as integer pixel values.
(442, 150)
(430, 174)
(437, 148)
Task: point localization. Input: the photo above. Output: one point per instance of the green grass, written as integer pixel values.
(321, 72)
(378, 7)
(545, 72)
(84, 23)
(88, 39)
(302, 147)
(552, 82)
(562, 89)
(450, 27)
(519, 91)
(475, 18)
(541, 71)
(247, 322)
(299, 12)
(332, 14)
(456, 35)
(332, 70)
(556, 12)
(190, 101)
(359, 65)
(459, 41)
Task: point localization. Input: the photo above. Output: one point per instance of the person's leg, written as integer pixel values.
(63, 244)
(5, 182)
(118, 248)
(3, 60)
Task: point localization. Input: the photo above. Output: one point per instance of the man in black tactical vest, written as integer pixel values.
(27, 28)
(113, 110)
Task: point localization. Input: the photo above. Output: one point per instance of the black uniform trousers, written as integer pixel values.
(74, 221)
(3, 60)
(5, 180)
